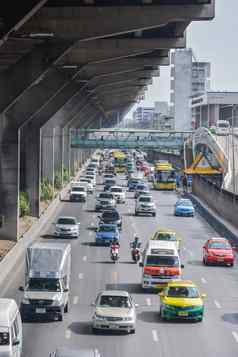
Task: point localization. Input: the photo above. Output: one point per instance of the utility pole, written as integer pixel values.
(233, 149)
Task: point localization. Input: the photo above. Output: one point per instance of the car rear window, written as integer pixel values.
(165, 261)
(110, 215)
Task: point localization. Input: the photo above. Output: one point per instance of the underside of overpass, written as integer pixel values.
(74, 64)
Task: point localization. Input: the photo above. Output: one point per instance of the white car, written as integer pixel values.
(107, 176)
(145, 205)
(92, 178)
(118, 193)
(88, 184)
(78, 193)
(114, 310)
(67, 227)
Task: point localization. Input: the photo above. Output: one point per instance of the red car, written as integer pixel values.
(218, 251)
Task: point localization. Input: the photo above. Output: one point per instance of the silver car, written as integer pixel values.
(114, 310)
(68, 352)
(67, 227)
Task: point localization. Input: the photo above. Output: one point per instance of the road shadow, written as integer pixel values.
(89, 244)
(90, 210)
(130, 287)
(128, 214)
(91, 228)
(127, 262)
(149, 316)
(81, 328)
(232, 318)
(102, 262)
(48, 236)
(195, 263)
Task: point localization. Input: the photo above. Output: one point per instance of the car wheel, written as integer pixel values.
(66, 308)
(153, 214)
(232, 264)
(204, 261)
(136, 214)
(95, 331)
(60, 317)
(133, 331)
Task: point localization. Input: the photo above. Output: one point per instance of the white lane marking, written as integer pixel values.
(203, 280)
(85, 258)
(184, 248)
(90, 233)
(148, 301)
(218, 305)
(114, 277)
(67, 334)
(92, 224)
(235, 335)
(190, 252)
(75, 300)
(80, 276)
(155, 336)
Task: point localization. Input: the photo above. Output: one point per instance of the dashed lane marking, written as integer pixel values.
(148, 301)
(114, 277)
(218, 305)
(235, 335)
(80, 276)
(85, 258)
(155, 336)
(203, 280)
(75, 300)
(90, 233)
(67, 334)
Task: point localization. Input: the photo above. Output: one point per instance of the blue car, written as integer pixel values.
(106, 233)
(132, 183)
(184, 208)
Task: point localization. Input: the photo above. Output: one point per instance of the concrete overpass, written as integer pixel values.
(73, 64)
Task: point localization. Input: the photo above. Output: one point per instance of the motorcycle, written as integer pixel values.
(114, 254)
(135, 253)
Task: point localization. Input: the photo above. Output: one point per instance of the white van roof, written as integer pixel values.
(8, 310)
(157, 247)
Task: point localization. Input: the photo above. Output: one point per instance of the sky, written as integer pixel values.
(214, 41)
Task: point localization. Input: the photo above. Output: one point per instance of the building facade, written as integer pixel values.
(210, 107)
(188, 77)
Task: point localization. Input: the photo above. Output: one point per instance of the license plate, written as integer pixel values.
(114, 326)
(182, 313)
(220, 259)
(40, 311)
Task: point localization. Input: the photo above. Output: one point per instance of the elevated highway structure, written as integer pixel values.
(74, 64)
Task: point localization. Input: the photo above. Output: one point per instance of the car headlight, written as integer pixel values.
(57, 302)
(26, 301)
(99, 317)
(58, 229)
(128, 318)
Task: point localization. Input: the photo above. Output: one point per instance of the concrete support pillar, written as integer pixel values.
(48, 150)
(32, 156)
(9, 180)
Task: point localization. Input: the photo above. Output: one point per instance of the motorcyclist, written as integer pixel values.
(135, 244)
(115, 244)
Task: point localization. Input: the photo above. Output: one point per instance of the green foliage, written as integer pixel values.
(47, 192)
(66, 177)
(58, 184)
(24, 204)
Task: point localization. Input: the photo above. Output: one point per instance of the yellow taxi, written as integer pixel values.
(181, 299)
(167, 235)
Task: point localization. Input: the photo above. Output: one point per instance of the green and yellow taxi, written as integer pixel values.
(167, 235)
(181, 299)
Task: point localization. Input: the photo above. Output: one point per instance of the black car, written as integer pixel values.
(111, 216)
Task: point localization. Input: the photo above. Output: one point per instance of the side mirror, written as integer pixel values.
(203, 296)
(21, 288)
(141, 264)
(93, 304)
(66, 290)
(182, 266)
(16, 342)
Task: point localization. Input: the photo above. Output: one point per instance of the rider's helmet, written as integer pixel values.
(115, 241)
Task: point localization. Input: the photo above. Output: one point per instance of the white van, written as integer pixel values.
(222, 127)
(10, 329)
(161, 264)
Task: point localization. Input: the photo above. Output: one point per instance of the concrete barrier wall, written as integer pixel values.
(221, 201)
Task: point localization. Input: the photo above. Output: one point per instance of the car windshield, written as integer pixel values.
(185, 203)
(165, 261)
(78, 189)
(107, 229)
(141, 188)
(70, 221)
(4, 336)
(107, 196)
(166, 236)
(110, 215)
(219, 245)
(115, 301)
(110, 182)
(116, 189)
(42, 284)
(145, 199)
(182, 292)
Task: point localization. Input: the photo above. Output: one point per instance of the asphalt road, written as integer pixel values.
(93, 271)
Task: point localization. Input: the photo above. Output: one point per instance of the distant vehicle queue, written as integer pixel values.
(47, 285)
